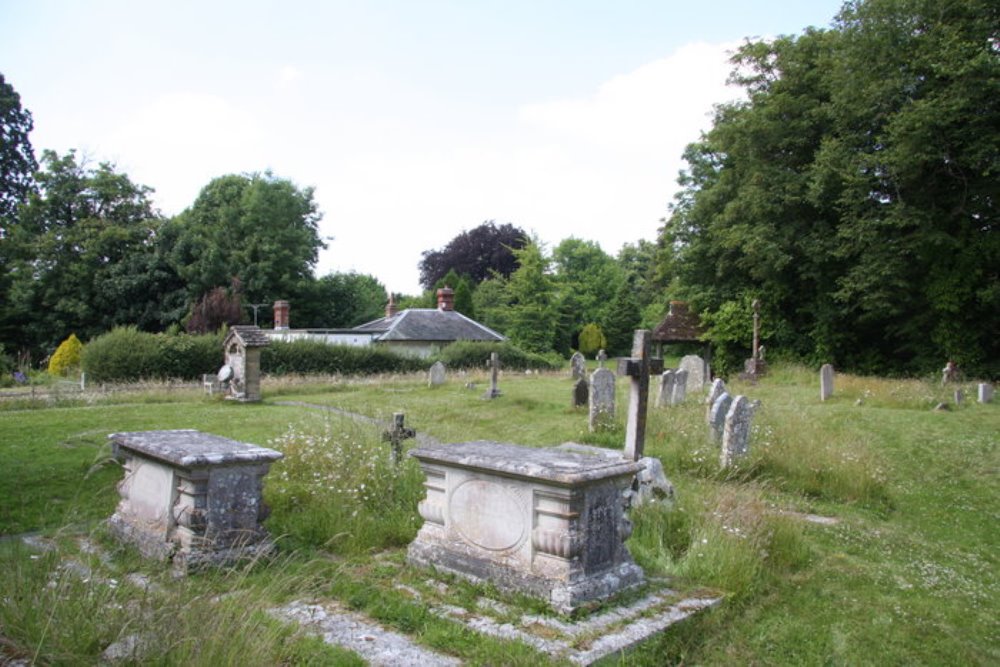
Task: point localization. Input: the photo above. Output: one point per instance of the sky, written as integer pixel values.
(412, 120)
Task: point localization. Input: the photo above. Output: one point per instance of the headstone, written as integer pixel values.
(651, 483)
(494, 365)
(695, 367)
(985, 392)
(666, 389)
(736, 434)
(396, 434)
(578, 366)
(717, 389)
(638, 368)
(435, 376)
(602, 400)
(191, 497)
(680, 387)
(717, 415)
(825, 382)
(602, 356)
(959, 396)
(539, 521)
(581, 393)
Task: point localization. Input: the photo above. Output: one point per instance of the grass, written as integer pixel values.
(908, 575)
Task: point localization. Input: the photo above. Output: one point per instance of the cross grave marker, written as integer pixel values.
(638, 368)
(397, 434)
(494, 365)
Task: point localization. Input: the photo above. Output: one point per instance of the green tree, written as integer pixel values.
(258, 229)
(592, 339)
(531, 312)
(587, 278)
(340, 300)
(621, 320)
(478, 253)
(17, 159)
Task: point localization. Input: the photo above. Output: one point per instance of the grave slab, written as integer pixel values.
(191, 497)
(543, 522)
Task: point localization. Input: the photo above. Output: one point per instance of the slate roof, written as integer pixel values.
(679, 325)
(431, 325)
(250, 335)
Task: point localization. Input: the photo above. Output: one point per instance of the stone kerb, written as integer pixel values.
(695, 367)
(191, 497)
(602, 400)
(825, 382)
(736, 434)
(666, 389)
(543, 522)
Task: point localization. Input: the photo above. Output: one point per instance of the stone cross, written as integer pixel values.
(602, 356)
(638, 368)
(825, 382)
(756, 329)
(397, 434)
(494, 364)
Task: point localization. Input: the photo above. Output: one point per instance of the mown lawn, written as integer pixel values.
(907, 576)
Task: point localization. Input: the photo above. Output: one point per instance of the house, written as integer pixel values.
(418, 332)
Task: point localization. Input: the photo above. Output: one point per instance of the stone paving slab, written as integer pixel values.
(353, 631)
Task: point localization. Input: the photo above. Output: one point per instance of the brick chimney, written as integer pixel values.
(281, 315)
(390, 308)
(446, 298)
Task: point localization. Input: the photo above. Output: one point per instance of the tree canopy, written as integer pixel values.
(478, 253)
(17, 159)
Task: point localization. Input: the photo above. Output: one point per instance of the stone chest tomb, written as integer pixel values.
(191, 497)
(544, 522)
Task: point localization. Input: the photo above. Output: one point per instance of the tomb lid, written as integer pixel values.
(188, 447)
(248, 334)
(548, 464)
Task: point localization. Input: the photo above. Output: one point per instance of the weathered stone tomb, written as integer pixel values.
(191, 497)
(543, 522)
(241, 372)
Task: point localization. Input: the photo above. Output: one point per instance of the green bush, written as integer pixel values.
(189, 357)
(66, 357)
(592, 339)
(466, 354)
(122, 354)
(310, 356)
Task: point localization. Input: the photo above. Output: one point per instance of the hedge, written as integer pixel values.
(311, 356)
(467, 354)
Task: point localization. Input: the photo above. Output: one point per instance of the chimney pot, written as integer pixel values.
(446, 298)
(390, 308)
(280, 315)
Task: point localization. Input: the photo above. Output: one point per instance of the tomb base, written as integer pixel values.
(543, 522)
(191, 497)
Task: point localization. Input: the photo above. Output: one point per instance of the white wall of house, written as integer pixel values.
(352, 338)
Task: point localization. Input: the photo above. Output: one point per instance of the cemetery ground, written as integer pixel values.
(904, 571)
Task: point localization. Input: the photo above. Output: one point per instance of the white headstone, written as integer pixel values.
(717, 415)
(602, 400)
(666, 389)
(985, 392)
(435, 376)
(736, 434)
(717, 389)
(825, 382)
(695, 367)
(578, 366)
(680, 387)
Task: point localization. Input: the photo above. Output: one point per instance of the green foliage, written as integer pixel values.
(530, 310)
(856, 188)
(591, 340)
(473, 355)
(339, 300)
(310, 356)
(622, 320)
(66, 357)
(17, 159)
(126, 354)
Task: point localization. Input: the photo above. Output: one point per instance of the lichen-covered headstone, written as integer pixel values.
(695, 367)
(717, 415)
(581, 393)
(825, 382)
(436, 376)
(666, 389)
(736, 434)
(602, 400)
(578, 366)
(680, 387)
(717, 389)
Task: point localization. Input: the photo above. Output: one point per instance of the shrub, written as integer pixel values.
(66, 357)
(310, 356)
(122, 354)
(189, 357)
(467, 354)
(592, 339)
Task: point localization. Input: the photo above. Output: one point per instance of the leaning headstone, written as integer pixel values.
(435, 376)
(736, 434)
(717, 389)
(602, 400)
(581, 393)
(638, 368)
(680, 387)
(985, 392)
(494, 365)
(191, 497)
(717, 415)
(695, 367)
(825, 382)
(578, 366)
(666, 387)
